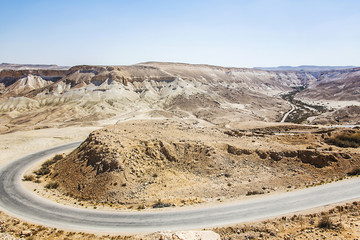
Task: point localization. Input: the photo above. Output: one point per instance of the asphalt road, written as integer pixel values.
(18, 201)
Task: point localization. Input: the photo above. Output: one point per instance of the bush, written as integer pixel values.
(141, 207)
(28, 178)
(325, 222)
(45, 167)
(42, 171)
(52, 185)
(37, 181)
(160, 204)
(58, 157)
(354, 172)
(249, 193)
(227, 175)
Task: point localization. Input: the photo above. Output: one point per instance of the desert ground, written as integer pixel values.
(252, 136)
(171, 135)
(332, 222)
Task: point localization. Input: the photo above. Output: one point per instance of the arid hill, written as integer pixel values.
(346, 115)
(340, 85)
(146, 162)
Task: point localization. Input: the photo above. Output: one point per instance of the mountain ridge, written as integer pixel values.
(306, 68)
(15, 66)
(220, 95)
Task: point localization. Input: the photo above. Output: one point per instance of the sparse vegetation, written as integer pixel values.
(45, 167)
(58, 157)
(160, 204)
(346, 139)
(141, 207)
(255, 192)
(42, 171)
(52, 185)
(13, 228)
(303, 110)
(227, 175)
(29, 178)
(340, 222)
(354, 172)
(325, 222)
(37, 180)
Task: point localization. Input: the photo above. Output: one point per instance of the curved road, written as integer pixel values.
(288, 113)
(16, 200)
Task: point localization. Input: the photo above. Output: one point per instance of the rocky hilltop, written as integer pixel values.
(151, 162)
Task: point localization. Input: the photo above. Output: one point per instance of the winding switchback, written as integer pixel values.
(18, 201)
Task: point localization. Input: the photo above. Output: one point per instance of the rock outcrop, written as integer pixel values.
(313, 157)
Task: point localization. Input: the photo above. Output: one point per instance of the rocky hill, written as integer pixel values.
(151, 162)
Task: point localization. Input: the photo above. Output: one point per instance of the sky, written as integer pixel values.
(238, 33)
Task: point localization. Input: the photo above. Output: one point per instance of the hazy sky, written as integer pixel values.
(241, 33)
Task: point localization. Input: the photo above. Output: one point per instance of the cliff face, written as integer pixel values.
(121, 74)
(9, 77)
(258, 80)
